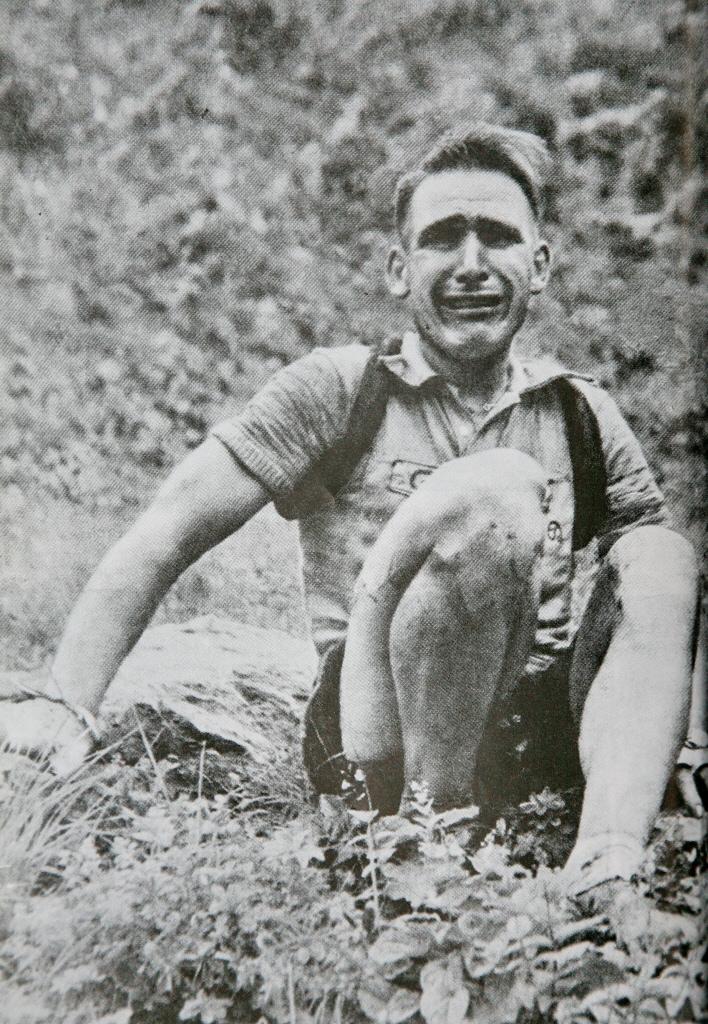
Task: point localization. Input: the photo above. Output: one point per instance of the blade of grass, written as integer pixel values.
(149, 752)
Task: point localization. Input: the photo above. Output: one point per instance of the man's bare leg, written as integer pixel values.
(443, 620)
(631, 696)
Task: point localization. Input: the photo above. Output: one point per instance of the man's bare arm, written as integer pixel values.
(205, 499)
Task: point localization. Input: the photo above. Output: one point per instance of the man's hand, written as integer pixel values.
(46, 727)
(692, 773)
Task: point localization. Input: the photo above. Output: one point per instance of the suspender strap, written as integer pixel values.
(367, 414)
(587, 461)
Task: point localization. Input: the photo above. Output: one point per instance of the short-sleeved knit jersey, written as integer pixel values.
(304, 410)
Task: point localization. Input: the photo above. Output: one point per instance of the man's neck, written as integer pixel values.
(481, 380)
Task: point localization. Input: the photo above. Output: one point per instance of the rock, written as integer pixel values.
(241, 687)
(234, 683)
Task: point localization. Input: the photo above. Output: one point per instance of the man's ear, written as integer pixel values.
(541, 267)
(397, 272)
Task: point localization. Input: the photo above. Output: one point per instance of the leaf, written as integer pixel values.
(451, 897)
(442, 884)
(332, 807)
(384, 1003)
(563, 959)
(374, 995)
(209, 1009)
(395, 831)
(298, 843)
(518, 927)
(675, 985)
(483, 960)
(586, 926)
(491, 859)
(396, 944)
(504, 996)
(523, 994)
(637, 921)
(600, 1003)
(75, 978)
(456, 816)
(589, 973)
(408, 882)
(617, 957)
(402, 1005)
(117, 1017)
(652, 1009)
(155, 828)
(363, 817)
(445, 998)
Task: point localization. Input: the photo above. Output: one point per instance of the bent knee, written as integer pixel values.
(500, 471)
(492, 501)
(504, 483)
(500, 491)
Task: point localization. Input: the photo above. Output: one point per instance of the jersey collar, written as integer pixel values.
(411, 366)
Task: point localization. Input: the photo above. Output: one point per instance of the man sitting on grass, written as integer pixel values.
(441, 488)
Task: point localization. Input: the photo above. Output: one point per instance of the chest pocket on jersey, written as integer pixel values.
(406, 476)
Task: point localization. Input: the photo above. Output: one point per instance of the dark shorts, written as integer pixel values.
(530, 741)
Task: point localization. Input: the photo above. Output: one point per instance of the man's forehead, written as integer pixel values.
(469, 192)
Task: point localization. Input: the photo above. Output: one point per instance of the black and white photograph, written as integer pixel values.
(352, 494)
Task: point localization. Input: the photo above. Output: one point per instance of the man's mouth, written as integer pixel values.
(476, 305)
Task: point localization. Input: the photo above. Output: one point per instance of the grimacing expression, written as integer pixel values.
(471, 260)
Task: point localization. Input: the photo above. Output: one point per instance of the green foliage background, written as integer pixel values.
(193, 193)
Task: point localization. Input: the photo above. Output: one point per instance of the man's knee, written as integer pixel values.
(654, 561)
(646, 595)
(505, 471)
(492, 511)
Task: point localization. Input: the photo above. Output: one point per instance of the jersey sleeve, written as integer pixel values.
(295, 418)
(633, 496)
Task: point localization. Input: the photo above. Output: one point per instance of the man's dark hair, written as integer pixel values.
(486, 147)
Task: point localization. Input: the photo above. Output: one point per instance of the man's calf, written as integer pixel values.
(442, 624)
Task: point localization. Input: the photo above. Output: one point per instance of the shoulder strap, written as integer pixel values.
(583, 432)
(365, 418)
(588, 463)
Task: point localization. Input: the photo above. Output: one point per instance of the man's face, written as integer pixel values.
(471, 260)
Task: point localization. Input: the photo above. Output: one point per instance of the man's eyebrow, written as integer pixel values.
(436, 228)
(503, 228)
(457, 221)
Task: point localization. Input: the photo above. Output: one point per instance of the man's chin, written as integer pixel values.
(474, 343)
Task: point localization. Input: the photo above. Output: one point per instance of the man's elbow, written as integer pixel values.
(166, 539)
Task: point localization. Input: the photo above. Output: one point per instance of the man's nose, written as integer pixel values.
(472, 261)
